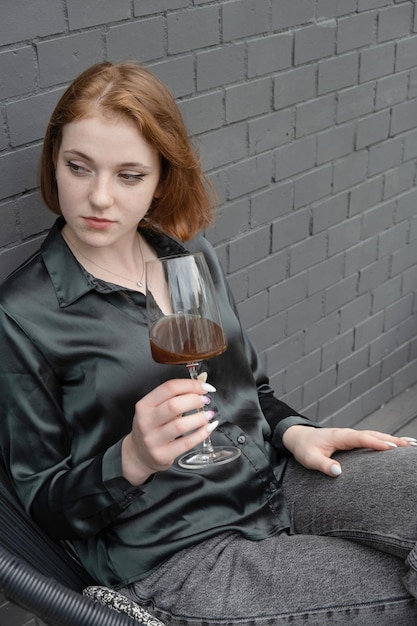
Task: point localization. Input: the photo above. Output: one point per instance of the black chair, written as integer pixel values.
(45, 578)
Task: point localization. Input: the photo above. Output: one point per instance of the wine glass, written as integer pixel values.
(185, 328)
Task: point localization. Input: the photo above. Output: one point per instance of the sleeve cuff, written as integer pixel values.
(121, 490)
(283, 425)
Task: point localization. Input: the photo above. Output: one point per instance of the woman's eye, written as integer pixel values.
(76, 169)
(130, 177)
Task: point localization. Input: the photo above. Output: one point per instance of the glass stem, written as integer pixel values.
(207, 445)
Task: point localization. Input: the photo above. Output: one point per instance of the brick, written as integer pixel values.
(143, 40)
(61, 59)
(17, 72)
(290, 229)
(248, 100)
(304, 314)
(238, 281)
(373, 129)
(398, 312)
(329, 212)
(312, 186)
(314, 42)
(380, 347)
(319, 333)
(232, 220)
(350, 170)
(365, 195)
(297, 157)
(249, 248)
(8, 224)
(338, 72)
(287, 293)
(298, 372)
(287, 351)
(377, 219)
(269, 204)
(319, 386)
(344, 235)
(394, 22)
(403, 117)
(337, 347)
(336, 142)
(177, 73)
(356, 31)
(406, 205)
(82, 14)
(3, 136)
(25, 20)
(394, 361)
(29, 117)
(330, 8)
(267, 272)
(11, 258)
(365, 5)
(267, 55)
(376, 62)
(269, 131)
(412, 87)
(338, 295)
(410, 145)
(368, 329)
(399, 179)
(374, 275)
(354, 102)
(333, 401)
(353, 363)
(294, 86)
(404, 378)
(324, 274)
(34, 217)
(19, 171)
(244, 18)
(307, 253)
(291, 13)
(361, 383)
(193, 29)
(315, 115)
(220, 66)
(203, 113)
(385, 156)
(391, 90)
(361, 255)
(404, 258)
(250, 175)
(269, 331)
(406, 53)
(222, 146)
(387, 293)
(355, 312)
(395, 238)
(141, 8)
(253, 310)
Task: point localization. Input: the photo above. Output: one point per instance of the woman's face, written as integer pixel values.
(107, 176)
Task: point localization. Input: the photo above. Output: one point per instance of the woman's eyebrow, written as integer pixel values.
(125, 164)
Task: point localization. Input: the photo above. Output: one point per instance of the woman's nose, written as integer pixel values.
(101, 196)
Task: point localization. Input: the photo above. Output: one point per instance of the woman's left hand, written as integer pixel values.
(313, 447)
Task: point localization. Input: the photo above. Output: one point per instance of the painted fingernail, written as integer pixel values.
(409, 439)
(212, 426)
(209, 415)
(335, 470)
(413, 443)
(391, 443)
(207, 387)
(205, 400)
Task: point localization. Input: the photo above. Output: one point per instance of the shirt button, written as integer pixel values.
(241, 439)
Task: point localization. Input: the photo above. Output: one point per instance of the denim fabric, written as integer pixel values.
(318, 575)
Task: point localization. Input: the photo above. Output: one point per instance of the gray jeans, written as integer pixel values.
(350, 558)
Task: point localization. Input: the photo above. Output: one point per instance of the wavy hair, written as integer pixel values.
(185, 202)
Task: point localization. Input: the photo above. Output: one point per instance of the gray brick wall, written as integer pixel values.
(305, 115)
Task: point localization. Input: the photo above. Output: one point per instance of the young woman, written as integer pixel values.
(91, 426)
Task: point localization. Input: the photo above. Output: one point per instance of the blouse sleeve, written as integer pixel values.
(35, 442)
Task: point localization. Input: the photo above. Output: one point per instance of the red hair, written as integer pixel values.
(184, 204)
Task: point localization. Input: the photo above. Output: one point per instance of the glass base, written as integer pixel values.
(196, 459)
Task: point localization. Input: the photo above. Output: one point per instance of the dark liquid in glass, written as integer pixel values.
(183, 339)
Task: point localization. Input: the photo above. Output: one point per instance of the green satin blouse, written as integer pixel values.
(75, 358)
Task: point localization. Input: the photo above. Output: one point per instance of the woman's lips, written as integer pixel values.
(97, 223)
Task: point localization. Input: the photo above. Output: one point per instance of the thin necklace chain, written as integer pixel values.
(138, 283)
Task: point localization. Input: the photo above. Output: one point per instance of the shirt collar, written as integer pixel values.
(67, 276)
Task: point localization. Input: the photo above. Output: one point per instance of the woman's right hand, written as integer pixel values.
(160, 432)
